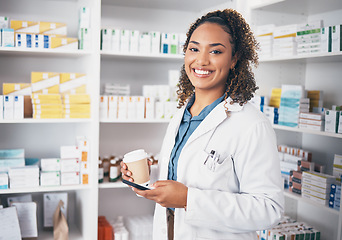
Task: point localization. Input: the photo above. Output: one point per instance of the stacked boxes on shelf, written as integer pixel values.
(42, 98)
(133, 41)
(301, 39)
(72, 167)
(337, 166)
(84, 30)
(313, 121)
(289, 229)
(291, 104)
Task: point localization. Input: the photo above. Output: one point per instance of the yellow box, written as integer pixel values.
(76, 98)
(47, 106)
(53, 28)
(45, 116)
(46, 96)
(25, 26)
(16, 89)
(46, 101)
(48, 112)
(64, 43)
(74, 108)
(45, 82)
(276, 92)
(72, 83)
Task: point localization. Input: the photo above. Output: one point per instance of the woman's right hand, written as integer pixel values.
(126, 174)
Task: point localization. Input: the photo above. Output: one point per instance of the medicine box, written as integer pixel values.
(72, 83)
(340, 123)
(331, 121)
(70, 165)
(70, 178)
(174, 43)
(25, 26)
(115, 40)
(155, 42)
(84, 38)
(326, 39)
(76, 99)
(3, 181)
(134, 41)
(336, 38)
(7, 37)
(71, 152)
(112, 107)
(84, 17)
(16, 89)
(165, 43)
(125, 40)
(64, 43)
(50, 164)
(3, 22)
(8, 107)
(18, 107)
(50, 178)
(45, 82)
(145, 43)
(149, 108)
(106, 39)
(122, 107)
(104, 107)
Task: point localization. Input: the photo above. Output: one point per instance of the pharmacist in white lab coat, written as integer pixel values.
(219, 168)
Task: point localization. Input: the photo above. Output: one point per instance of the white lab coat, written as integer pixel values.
(242, 195)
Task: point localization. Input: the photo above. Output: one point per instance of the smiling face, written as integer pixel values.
(208, 59)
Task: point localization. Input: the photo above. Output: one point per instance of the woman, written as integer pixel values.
(219, 168)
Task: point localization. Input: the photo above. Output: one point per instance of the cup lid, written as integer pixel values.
(135, 155)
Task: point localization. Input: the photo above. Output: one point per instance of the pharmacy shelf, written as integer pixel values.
(179, 5)
(302, 7)
(117, 184)
(298, 197)
(31, 120)
(45, 52)
(74, 234)
(45, 189)
(314, 57)
(137, 121)
(137, 56)
(303, 130)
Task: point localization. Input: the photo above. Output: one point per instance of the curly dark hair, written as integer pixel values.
(240, 83)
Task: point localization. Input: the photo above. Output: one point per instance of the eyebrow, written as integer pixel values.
(212, 44)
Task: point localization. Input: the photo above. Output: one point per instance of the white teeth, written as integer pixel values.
(201, 71)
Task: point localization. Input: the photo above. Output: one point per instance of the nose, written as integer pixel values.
(202, 58)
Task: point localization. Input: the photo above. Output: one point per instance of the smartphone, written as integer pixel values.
(137, 186)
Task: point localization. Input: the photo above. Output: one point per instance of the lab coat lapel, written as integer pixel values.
(215, 117)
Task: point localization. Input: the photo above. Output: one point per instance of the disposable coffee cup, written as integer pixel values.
(137, 164)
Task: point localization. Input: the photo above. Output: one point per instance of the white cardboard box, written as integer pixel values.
(50, 178)
(70, 178)
(18, 107)
(8, 107)
(50, 164)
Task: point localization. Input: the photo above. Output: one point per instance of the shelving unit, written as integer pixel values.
(319, 71)
(42, 138)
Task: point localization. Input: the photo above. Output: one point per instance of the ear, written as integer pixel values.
(234, 61)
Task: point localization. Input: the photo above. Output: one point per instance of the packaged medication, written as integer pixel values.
(7, 37)
(20, 40)
(53, 28)
(165, 43)
(18, 107)
(181, 42)
(149, 108)
(64, 43)
(84, 17)
(106, 39)
(155, 42)
(50, 178)
(50, 164)
(125, 41)
(145, 43)
(326, 39)
(3, 22)
(174, 43)
(72, 83)
(336, 38)
(25, 26)
(134, 41)
(103, 107)
(3, 181)
(112, 107)
(71, 152)
(45, 82)
(8, 107)
(70, 165)
(115, 40)
(84, 38)
(331, 121)
(122, 107)
(70, 178)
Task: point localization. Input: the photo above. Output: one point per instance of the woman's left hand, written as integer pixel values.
(168, 193)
